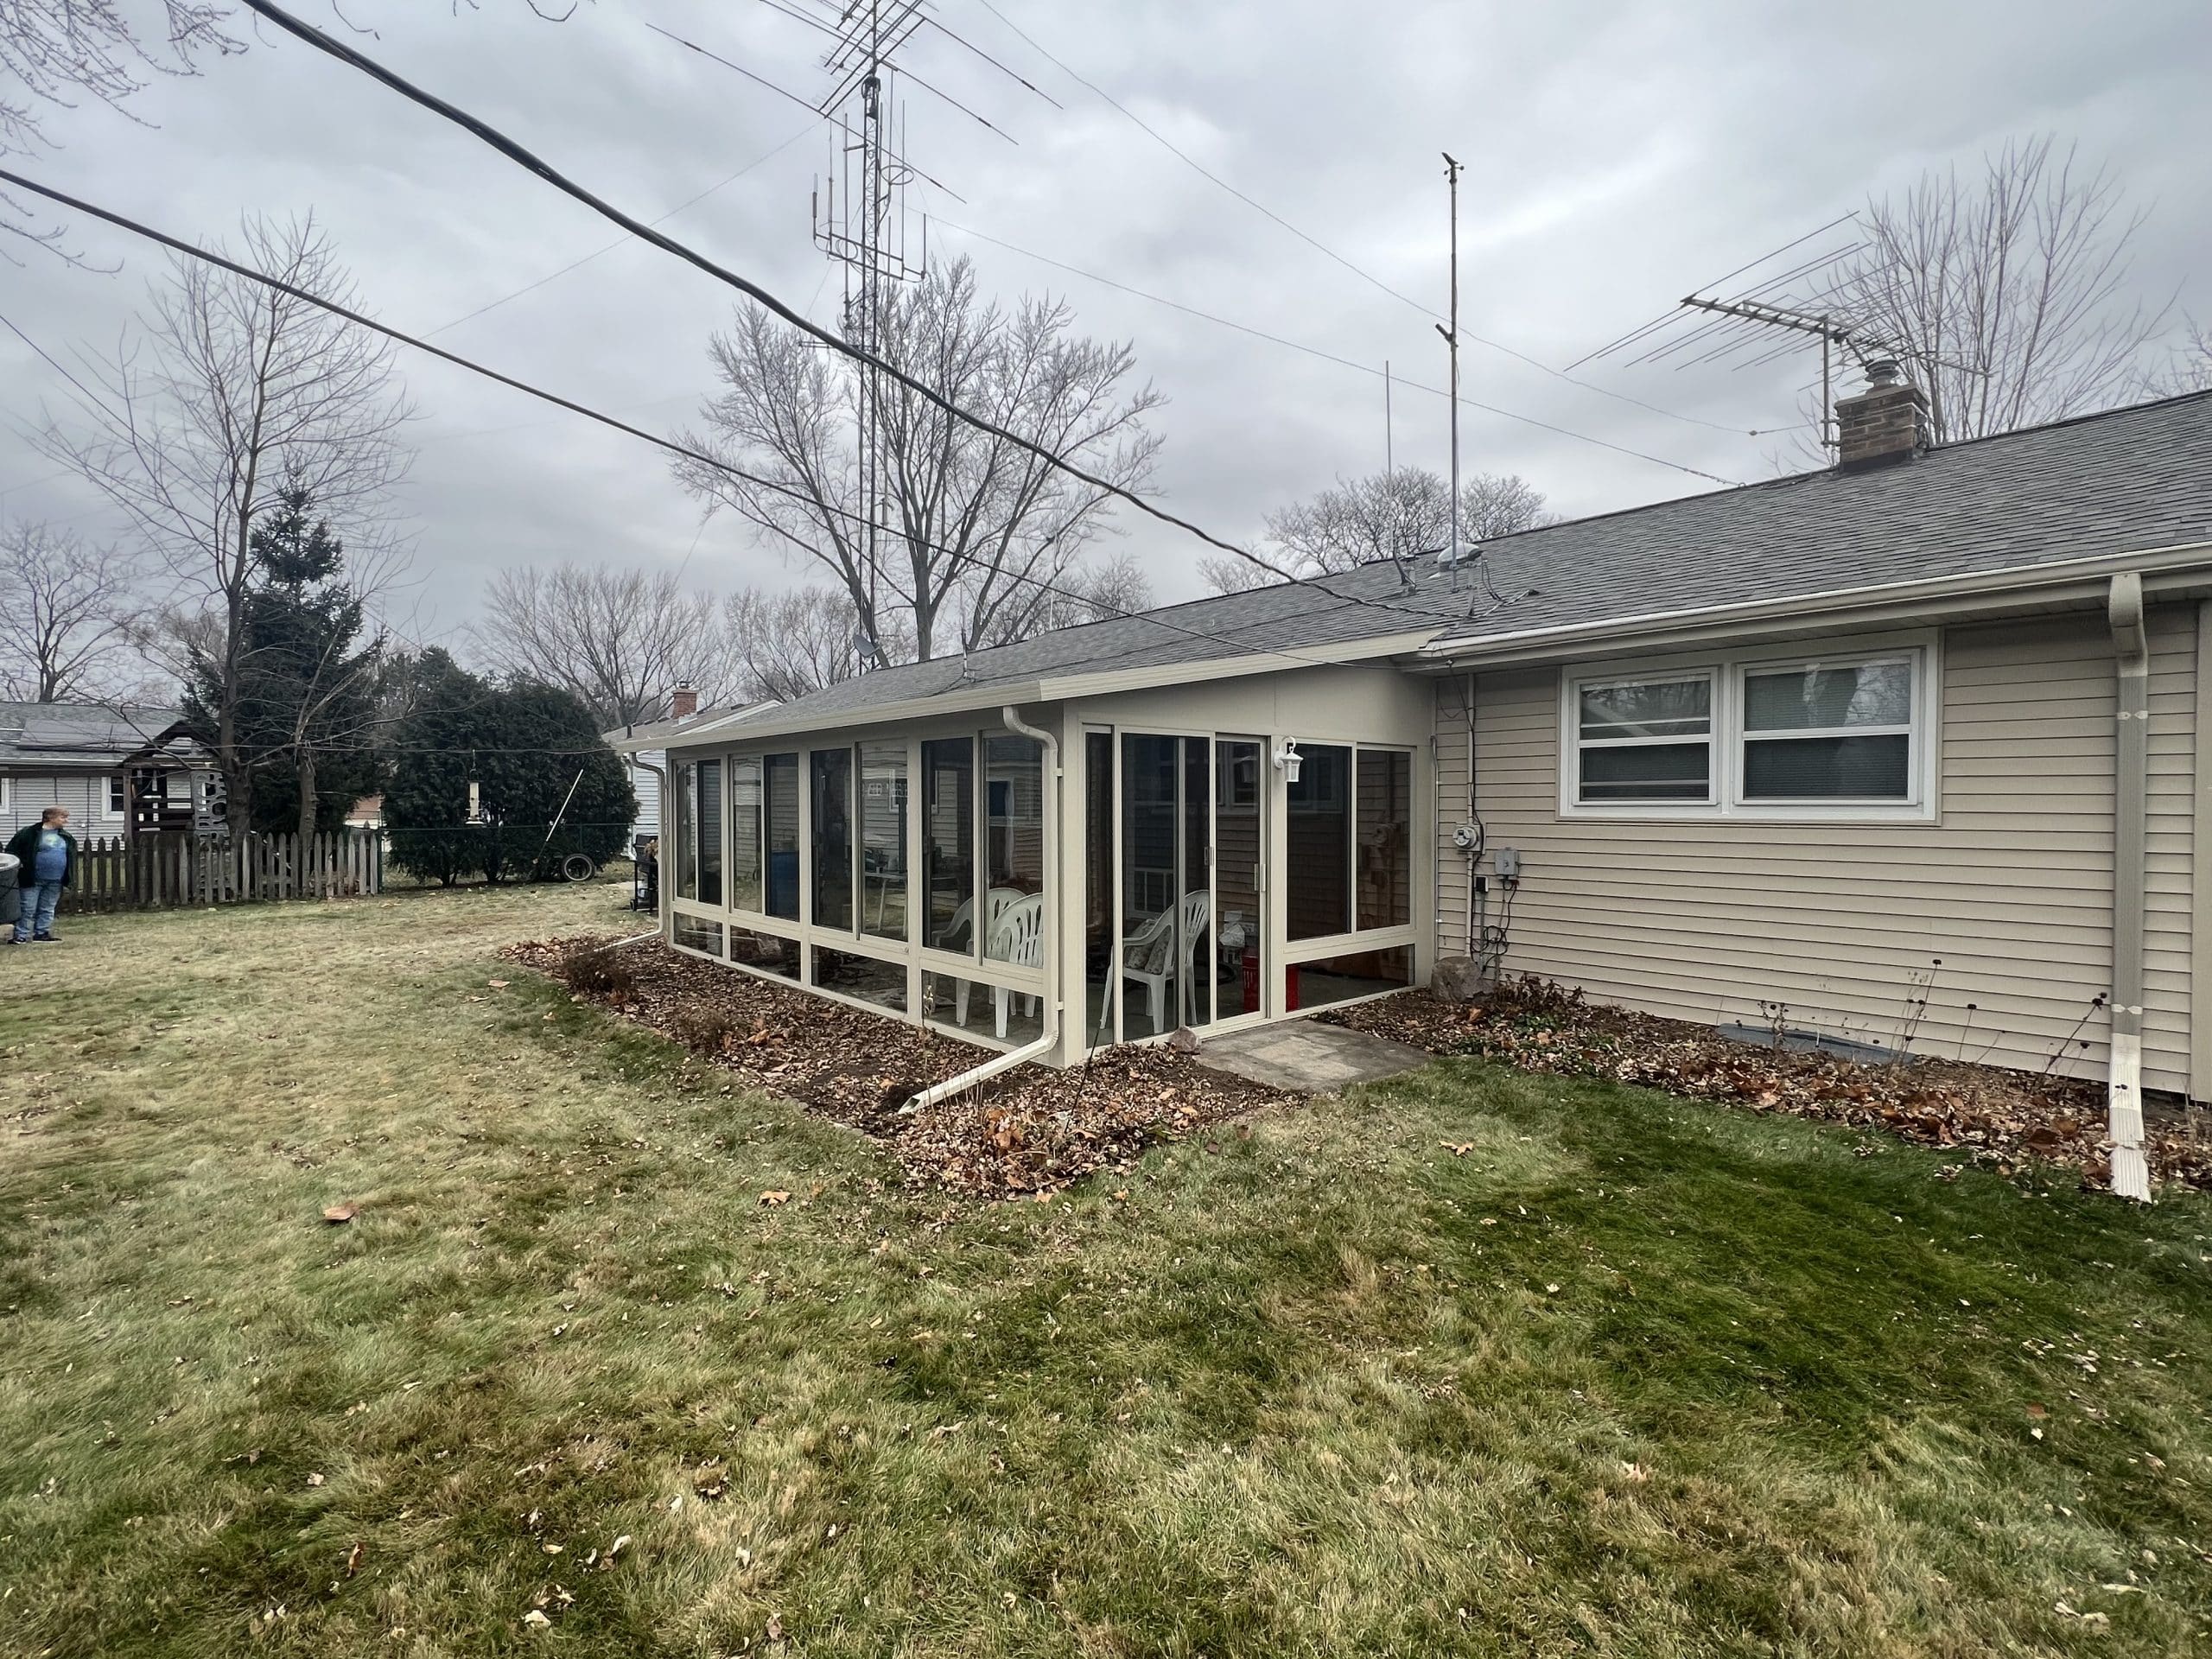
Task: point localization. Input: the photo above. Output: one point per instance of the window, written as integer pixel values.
(1765, 732)
(883, 840)
(118, 796)
(1645, 740)
(949, 845)
(1013, 769)
(779, 810)
(833, 838)
(1319, 830)
(694, 934)
(685, 840)
(710, 832)
(1385, 831)
(745, 833)
(1829, 732)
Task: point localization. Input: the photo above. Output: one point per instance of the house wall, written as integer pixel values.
(2011, 885)
(84, 793)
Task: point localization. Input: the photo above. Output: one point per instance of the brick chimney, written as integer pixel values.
(684, 700)
(1885, 424)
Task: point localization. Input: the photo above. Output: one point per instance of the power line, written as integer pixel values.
(209, 257)
(1197, 166)
(1366, 276)
(1327, 356)
(622, 242)
(515, 152)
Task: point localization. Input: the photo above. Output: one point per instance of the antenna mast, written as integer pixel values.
(1831, 334)
(1451, 341)
(866, 231)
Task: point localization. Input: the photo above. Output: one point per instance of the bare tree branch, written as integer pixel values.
(2003, 295)
(618, 640)
(230, 393)
(786, 645)
(1403, 514)
(974, 531)
(66, 611)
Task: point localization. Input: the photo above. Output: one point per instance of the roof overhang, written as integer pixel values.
(777, 722)
(2056, 585)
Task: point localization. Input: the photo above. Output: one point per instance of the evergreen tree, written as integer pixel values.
(305, 716)
(524, 747)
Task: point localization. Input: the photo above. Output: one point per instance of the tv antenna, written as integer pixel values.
(1833, 334)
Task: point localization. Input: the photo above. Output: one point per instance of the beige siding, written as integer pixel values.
(2011, 888)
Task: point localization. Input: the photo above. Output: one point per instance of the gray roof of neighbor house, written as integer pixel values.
(69, 736)
(2126, 481)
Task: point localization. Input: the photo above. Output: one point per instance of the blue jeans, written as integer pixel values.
(37, 914)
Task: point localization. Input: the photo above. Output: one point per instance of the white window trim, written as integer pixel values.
(1571, 764)
(1725, 801)
(109, 812)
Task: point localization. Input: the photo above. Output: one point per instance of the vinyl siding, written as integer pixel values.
(85, 795)
(2011, 888)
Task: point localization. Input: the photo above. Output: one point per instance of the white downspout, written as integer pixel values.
(1043, 1045)
(664, 920)
(2131, 1171)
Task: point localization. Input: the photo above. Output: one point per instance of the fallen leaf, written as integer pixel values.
(354, 1558)
(775, 1631)
(496, 984)
(340, 1213)
(315, 1480)
(775, 1196)
(535, 1619)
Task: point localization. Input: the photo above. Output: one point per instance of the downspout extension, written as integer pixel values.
(2131, 1170)
(1011, 718)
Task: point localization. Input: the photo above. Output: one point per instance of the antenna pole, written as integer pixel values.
(1451, 342)
(1389, 465)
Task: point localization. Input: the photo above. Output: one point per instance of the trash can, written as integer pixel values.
(11, 892)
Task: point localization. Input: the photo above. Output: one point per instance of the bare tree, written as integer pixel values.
(974, 531)
(1090, 593)
(66, 607)
(786, 645)
(1402, 514)
(618, 640)
(2005, 295)
(230, 394)
(2189, 366)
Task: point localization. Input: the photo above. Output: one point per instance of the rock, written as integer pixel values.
(1460, 979)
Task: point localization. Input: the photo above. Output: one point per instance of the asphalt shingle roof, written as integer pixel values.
(2127, 481)
(35, 735)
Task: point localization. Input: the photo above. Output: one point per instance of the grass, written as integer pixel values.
(1623, 1375)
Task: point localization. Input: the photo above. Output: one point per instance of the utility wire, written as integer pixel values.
(621, 242)
(1330, 357)
(1244, 647)
(1364, 275)
(752, 290)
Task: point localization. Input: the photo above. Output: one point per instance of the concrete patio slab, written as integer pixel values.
(1308, 1058)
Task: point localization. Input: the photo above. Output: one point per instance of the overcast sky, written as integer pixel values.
(1616, 156)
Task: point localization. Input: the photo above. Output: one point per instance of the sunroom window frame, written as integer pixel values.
(1729, 668)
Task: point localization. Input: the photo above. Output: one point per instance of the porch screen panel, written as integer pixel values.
(1384, 824)
(710, 832)
(833, 838)
(684, 841)
(883, 840)
(949, 844)
(1317, 880)
(1098, 887)
(1237, 850)
(1013, 805)
(745, 847)
(779, 809)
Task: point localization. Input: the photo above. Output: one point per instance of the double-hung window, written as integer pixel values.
(1767, 732)
(1645, 740)
(1829, 731)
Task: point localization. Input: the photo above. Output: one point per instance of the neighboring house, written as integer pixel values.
(1908, 748)
(366, 813)
(646, 766)
(103, 762)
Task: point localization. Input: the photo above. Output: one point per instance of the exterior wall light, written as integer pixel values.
(1288, 758)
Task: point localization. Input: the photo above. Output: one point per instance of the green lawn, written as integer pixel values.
(1625, 1375)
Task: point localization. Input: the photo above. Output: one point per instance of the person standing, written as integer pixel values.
(48, 852)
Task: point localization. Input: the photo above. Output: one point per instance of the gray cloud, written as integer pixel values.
(1617, 155)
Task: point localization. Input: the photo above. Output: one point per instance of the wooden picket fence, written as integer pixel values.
(164, 871)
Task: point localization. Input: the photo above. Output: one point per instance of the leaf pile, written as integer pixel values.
(2002, 1118)
(1028, 1131)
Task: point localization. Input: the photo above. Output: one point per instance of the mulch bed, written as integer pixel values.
(2002, 1118)
(1029, 1131)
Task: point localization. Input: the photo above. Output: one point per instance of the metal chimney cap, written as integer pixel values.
(1884, 372)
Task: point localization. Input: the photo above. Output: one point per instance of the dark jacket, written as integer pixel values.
(24, 845)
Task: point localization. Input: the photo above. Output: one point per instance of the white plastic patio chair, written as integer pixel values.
(1018, 940)
(1149, 957)
(998, 900)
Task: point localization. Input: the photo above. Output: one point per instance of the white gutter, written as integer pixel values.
(2131, 1171)
(1051, 1000)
